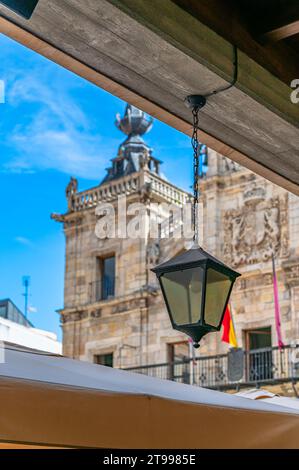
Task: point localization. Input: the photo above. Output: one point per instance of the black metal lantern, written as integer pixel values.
(196, 289)
(195, 285)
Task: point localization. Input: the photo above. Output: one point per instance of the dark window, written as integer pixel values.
(259, 364)
(108, 277)
(104, 359)
(178, 369)
(119, 167)
(9, 311)
(3, 311)
(104, 287)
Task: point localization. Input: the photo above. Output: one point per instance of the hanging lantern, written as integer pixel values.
(196, 286)
(196, 289)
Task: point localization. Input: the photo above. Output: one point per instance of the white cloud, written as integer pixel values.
(55, 134)
(32, 309)
(23, 241)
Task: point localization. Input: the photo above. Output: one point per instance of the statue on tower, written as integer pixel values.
(134, 122)
(70, 191)
(133, 154)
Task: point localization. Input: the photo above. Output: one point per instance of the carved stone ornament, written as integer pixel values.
(145, 192)
(74, 316)
(256, 230)
(291, 272)
(144, 159)
(229, 166)
(71, 190)
(57, 217)
(153, 253)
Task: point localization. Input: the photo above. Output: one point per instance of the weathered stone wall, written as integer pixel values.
(245, 218)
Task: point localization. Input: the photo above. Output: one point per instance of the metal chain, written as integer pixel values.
(196, 146)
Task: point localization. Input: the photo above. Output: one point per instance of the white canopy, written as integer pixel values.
(54, 401)
(269, 397)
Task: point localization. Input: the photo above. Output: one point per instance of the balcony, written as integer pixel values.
(260, 366)
(131, 184)
(101, 290)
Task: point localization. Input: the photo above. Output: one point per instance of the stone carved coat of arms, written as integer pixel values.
(255, 231)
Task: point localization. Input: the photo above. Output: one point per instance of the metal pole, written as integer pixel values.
(26, 282)
(26, 298)
(192, 361)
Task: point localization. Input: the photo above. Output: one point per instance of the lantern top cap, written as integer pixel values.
(192, 258)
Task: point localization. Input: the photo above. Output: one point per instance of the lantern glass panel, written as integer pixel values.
(217, 290)
(183, 291)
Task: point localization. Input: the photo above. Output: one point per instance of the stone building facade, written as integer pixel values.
(245, 219)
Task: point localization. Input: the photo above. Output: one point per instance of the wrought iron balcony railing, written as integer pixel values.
(102, 290)
(260, 366)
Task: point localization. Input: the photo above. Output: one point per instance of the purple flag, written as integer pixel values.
(276, 306)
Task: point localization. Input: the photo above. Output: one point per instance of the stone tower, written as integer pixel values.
(113, 312)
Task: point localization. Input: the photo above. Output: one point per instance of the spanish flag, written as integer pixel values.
(229, 335)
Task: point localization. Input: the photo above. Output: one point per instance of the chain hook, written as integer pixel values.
(195, 102)
(196, 146)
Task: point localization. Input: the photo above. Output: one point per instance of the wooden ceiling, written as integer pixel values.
(265, 30)
(155, 60)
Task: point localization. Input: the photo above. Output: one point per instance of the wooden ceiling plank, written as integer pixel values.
(129, 84)
(228, 20)
(274, 20)
(282, 32)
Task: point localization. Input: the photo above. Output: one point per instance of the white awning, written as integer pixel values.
(50, 400)
(272, 398)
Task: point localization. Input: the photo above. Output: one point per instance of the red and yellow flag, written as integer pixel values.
(229, 335)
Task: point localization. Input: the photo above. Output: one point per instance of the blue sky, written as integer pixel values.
(54, 125)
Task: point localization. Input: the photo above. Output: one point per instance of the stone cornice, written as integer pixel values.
(106, 308)
(134, 184)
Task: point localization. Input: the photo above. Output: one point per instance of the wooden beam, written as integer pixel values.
(236, 21)
(274, 20)
(38, 45)
(271, 20)
(154, 61)
(282, 32)
(209, 49)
